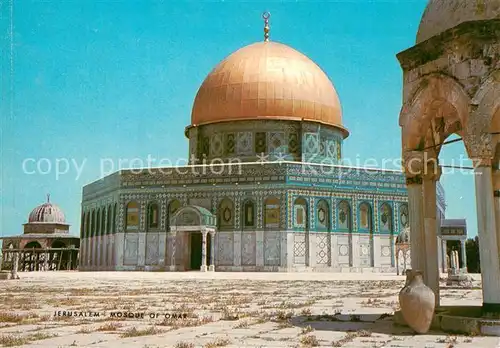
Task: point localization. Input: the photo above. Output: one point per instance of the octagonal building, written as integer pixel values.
(265, 189)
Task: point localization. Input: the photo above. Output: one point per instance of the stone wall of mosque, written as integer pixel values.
(297, 221)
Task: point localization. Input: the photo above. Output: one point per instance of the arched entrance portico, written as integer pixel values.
(191, 243)
(437, 108)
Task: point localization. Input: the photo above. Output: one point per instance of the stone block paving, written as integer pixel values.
(137, 309)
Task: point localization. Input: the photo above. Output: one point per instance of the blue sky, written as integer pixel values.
(86, 80)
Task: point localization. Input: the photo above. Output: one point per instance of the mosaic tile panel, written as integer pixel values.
(260, 142)
(244, 143)
(365, 251)
(311, 143)
(293, 143)
(225, 248)
(299, 248)
(344, 250)
(152, 251)
(277, 142)
(272, 248)
(230, 144)
(216, 145)
(323, 249)
(130, 249)
(248, 242)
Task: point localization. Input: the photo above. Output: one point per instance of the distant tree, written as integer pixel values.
(472, 251)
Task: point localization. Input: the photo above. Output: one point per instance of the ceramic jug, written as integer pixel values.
(417, 302)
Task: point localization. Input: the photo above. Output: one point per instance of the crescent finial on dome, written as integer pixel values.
(48, 197)
(266, 16)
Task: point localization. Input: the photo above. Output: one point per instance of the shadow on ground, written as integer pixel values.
(375, 323)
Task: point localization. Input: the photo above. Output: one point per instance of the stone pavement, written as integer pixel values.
(193, 309)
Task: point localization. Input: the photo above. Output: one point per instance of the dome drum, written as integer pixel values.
(249, 140)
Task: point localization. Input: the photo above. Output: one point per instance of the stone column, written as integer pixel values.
(444, 255)
(415, 206)
(487, 233)
(496, 195)
(172, 244)
(211, 267)
(46, 261)
(15, 265)
(203, 267)
(430, 252)
(464, 255)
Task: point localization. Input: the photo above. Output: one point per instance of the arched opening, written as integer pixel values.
(365, 227)
(173, 206)
(102, 228)
(93, 228)
(300, 216)
(109, 218)
(271, 213)
(30, 257)
(153, 216)
(225, 215)
(132, 216)
(98, 223)
(323, 215)
(33, 245)
(87, 225)
(82, 226)
(344, 238)
(457, 183)
(249, 214)
(115, 208)
(386, 220)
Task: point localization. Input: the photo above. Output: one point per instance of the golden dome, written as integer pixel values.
(267, 80)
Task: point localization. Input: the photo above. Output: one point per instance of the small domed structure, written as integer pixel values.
(47, 213)
(441, 15)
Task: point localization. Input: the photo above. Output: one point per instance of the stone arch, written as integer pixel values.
(225, 214)
(437, 108)
(172, 208)
(300, 214)
(323, 215)
(486, 117)
(32, 245)
(57, 243)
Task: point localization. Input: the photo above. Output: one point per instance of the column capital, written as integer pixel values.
(432, 172)
(414, 180)
(482, 162)
(413, 162)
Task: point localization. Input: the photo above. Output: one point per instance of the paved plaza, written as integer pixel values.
(194, 309)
